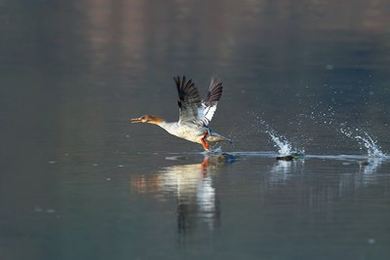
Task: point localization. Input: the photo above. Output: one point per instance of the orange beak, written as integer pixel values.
(135, 120)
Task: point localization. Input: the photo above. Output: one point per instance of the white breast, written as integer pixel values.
(183, 131)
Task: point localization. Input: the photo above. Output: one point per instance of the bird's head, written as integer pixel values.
(147, 119)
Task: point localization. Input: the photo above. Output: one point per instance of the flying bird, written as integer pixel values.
(195, 114)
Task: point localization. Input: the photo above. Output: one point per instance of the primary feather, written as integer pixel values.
(191, 108)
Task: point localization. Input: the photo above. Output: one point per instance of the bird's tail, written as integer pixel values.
(218, 138)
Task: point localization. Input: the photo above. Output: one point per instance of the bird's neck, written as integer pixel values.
(155, 120)
(170, 127)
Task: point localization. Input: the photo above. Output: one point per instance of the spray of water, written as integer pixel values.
(373, 149)
(365, 141)
(281, 143)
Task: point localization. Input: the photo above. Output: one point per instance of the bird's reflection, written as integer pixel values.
(192, 185)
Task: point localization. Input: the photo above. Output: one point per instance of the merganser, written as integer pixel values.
(194, 114)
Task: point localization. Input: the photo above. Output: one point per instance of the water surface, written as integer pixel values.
(79, 182)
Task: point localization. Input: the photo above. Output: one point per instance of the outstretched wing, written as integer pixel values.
(189, 100)
(209, 105)
(191, 108)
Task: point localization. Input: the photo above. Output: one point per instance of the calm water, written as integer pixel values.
(77, 181)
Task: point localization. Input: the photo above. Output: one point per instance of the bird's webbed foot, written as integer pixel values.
(205, 144)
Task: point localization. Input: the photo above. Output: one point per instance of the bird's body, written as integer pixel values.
(192, 132)
(195, 114)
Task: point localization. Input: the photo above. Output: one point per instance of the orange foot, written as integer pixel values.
(205, 144)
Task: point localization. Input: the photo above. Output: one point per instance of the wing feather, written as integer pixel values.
(191, 108)
(189, 99)
(209, 105)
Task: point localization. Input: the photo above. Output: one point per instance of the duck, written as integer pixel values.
(195, 114)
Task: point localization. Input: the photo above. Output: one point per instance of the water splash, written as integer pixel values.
(283, 145)
(373, 149)
(323, 116)
(372, 165)
(280, 142)
(365, 141)
(213, 151)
